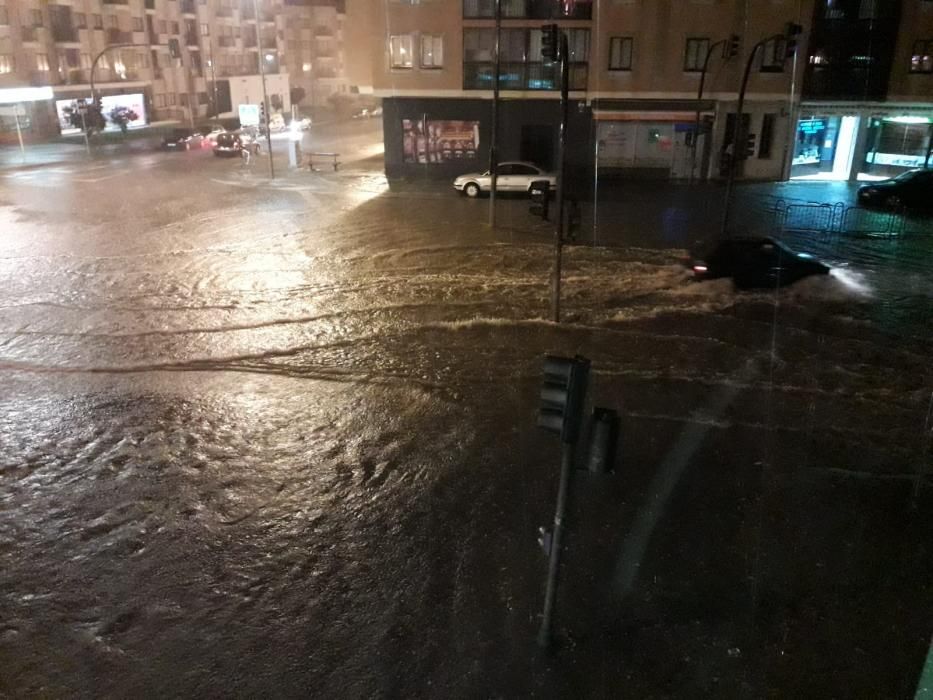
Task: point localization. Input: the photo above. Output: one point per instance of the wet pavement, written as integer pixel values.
(278, 439)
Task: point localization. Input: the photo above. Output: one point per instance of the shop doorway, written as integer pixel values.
(895, 145)
(824, 148)
(537, 145)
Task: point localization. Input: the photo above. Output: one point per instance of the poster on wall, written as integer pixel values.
(108, 103)
(439, 141)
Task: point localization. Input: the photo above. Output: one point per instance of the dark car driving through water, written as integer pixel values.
(754, 263)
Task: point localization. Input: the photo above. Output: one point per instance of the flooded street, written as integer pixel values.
(278, 439)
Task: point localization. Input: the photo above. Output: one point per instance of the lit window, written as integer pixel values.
(695, 55)
(7, 63)
(921, 60)
(432, 51)
(42, 61)
(400, 51)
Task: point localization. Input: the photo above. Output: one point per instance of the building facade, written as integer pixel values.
(165, 59)
(314, 43)
(636, 68)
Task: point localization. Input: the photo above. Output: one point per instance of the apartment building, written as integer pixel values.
(166, 59)
(636, 67)
(314, 43)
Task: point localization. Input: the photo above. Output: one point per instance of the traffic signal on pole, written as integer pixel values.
(541, 198)
(750, 146)
(733, 45)
(790, 48)
(563, 395)
(550, 42)
(792, 29)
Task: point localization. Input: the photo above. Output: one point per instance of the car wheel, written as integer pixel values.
(893, 201)
(471, 190)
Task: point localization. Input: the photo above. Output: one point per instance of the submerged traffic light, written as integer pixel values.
(550, 42)
(562, 396)
(541, 198)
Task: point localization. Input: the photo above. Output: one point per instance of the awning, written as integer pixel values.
(604, 116)
(640, 110)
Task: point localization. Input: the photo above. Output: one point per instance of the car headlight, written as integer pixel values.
(870, 190)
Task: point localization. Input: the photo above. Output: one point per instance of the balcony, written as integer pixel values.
(226, 41)
(249, 42)
(522, 76)
(76, 76)
(323, 32)
(268, 17)
(191, 39)
(149, 4)
(223, 12)
(118, 36)
(246, 12)
(529, 9)
(187, 7)
(28, 34)
(116, 2)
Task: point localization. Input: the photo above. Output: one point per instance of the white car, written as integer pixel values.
(514, 176)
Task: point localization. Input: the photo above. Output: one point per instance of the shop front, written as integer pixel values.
(862, 142)
(26, 115)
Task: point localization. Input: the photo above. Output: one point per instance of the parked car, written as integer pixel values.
(912, 189)
(209, 133)
(514, 176)
(754, 262)
(232, 143)
(181, 140)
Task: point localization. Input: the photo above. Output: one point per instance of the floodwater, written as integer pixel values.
(280, 440)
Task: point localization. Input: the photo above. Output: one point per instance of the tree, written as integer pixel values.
(297, 95)
(85, 116)
(122, 116)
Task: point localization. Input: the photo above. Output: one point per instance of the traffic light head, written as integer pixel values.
(750, 146)
(733, 45)
(550, 42)
(541, 198)
(562, 396)
(790, 48)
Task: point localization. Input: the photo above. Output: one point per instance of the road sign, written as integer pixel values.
(249, 115)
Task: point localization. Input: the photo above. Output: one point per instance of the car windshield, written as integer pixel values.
(329, 412)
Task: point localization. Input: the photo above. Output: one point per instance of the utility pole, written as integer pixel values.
(726, 44)
(262, 76)
(559, 223)
(494, 143)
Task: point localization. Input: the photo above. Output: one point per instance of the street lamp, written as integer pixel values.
(262, 77)
(730, 50)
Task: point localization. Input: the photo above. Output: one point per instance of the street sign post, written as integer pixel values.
(249, 115)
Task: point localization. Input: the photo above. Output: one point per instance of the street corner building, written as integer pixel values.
(836, 89)
(166, 60)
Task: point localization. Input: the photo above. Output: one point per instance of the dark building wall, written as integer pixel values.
(528, 130)
(851, 49)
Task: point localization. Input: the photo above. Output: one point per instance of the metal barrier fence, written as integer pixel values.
(840, 219)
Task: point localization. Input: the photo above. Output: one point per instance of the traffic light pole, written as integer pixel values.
(561, 177)
(738, 136)
(262, 78)
(566, 469)
(696, 127)
(494, 141)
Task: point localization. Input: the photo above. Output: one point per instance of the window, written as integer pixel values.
(112, 22)
(80, 20)
(7, 63)
(767, 136)
(400, 50)
(36, 16)
(695, 55)
(205, 30)
(175, 28)
(171, 99)
(143, 60)
(159, 100)
(921, 61)
(161, 26)
(42, 61)
(86, 61)
(183, 100)
(773, 54)
(620, 53)
(98, 21)
(202, 98)
(137, 24)
(432, 51)
(4, 15)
